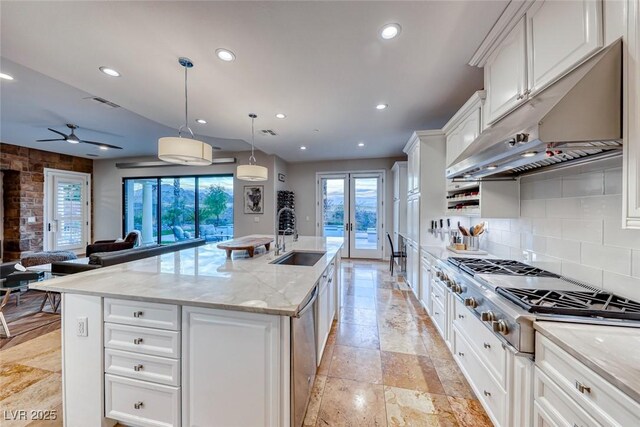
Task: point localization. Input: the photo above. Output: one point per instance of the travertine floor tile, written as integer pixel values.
(412, 408)
(354, 335)
(14, 378)
(401, 342)
(452, 379)
(359, 302)
(314, 402)
(42, 352)
(358, 316)
(360, 364)
(44, 394)
(325, 363)
(348, 403)
(469, 412)
(411, 372)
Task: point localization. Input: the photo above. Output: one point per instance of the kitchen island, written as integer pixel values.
(193, 338)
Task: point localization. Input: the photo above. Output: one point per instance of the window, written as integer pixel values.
(171, 209)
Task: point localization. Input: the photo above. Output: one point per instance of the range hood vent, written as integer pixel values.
(577, 117)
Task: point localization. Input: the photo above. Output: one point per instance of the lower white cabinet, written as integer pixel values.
(141, 403)
(231, 368)
(570, 392)
(425, 282)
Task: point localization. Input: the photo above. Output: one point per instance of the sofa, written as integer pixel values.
(106, 259)
(131, 240)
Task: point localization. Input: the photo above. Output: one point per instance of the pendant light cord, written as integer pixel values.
(186, 63)
(252, 159)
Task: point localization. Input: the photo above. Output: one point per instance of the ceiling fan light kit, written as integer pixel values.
(185, 151)
(252, 172)
(72, 138)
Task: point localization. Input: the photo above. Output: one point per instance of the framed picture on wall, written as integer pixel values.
(253, 199)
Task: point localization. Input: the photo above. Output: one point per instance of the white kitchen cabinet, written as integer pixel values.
(399, 175)
(425, 281)
(415, 271)
(571, 391)
(231, 368)
(413, 218)
(631, 153)
(505, 75)
(560, 35)
(464, 127)
(413, 166)
(325, 309)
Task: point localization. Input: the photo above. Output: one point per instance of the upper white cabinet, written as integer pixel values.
(631, 180)
(399, 174)
(464, 127)
(413, 166)
(560, 35)
(549, 40)
(505, 75)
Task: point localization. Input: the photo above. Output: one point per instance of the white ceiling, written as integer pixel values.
(321, 63)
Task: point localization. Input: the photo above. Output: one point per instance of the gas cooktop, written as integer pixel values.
(575, 303)
(475, 266)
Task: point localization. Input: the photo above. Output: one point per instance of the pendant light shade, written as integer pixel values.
(252, 172)
(185, 151)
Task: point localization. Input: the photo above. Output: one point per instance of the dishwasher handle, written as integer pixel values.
(309, 304)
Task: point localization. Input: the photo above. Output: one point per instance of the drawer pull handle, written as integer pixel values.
(486, 393)
(460, 316)
(582, 388)
(138, 313)
(461, 354)
(137, 341)
(138, 405)
(138, 368)
(487, 345)
(436, 313)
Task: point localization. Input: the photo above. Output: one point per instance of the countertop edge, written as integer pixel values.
(540, 326)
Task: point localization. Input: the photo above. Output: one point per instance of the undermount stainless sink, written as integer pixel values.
(300, 258)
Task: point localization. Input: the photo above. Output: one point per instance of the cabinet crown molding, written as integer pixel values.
(510, 16)
(461, 114)
(420, 135)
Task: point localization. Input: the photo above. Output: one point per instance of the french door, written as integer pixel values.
(350, 206)
(67, 222)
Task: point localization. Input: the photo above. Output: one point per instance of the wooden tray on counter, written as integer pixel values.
(248, 244)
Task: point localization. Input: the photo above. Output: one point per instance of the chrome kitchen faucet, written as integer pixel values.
(277, 231)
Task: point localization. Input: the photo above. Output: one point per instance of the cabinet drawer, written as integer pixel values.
(156, 342)
(141, 403)
(142, 366)
(599, 398)
(438, 291)
(138, 313)
(439, 316)
(488, 347)
(553, 407)
(489, 392)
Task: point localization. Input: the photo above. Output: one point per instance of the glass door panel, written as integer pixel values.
(177, 210)
(365, 239)
(215, 208)
(334, 208)
(141, 208)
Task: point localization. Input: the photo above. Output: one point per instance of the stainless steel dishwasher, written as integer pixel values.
(303, 358)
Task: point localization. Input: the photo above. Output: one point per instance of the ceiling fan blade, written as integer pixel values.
(101, 144)
(58, 132)
(47, 140)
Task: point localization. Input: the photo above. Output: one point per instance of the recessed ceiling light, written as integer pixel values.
(110, 71)
(225, 55)
(303, 147)
(529, 154)
(6, 76)
(281, 116)
(360, 144)
(201, 121)
(390, 31)
(104, 147)
(492, 167)
(381, 106)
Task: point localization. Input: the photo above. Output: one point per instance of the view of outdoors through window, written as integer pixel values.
(179, 197)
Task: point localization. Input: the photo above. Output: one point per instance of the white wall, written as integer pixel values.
(107, 192)
(571, 223)
(302, 180)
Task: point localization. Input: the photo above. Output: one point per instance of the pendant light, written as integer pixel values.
(185, 151)
(252, 172)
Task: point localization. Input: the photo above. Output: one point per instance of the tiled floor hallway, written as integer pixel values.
(385, 363)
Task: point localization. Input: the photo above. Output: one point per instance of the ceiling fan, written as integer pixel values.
(73, 139)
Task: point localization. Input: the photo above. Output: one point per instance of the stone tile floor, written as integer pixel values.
(384, 365)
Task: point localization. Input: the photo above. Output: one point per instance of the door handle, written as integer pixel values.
(49, 227)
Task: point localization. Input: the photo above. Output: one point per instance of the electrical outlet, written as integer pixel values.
(81, 327)
(31, 220)
(256, 219)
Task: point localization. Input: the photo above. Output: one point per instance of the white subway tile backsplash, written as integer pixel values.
(590, 276)
(547, 227)
(523, 225)
(617, 260)
(564, 249)
(533, 208)
(609, 206)
(586, 184)
(584, 230)
(511, 239)
(625, 286)
(613, 181)
(563, 208)
(615, 235)
(536, 190)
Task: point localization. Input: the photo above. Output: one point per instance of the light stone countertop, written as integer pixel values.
(204, 277)
(613, 352)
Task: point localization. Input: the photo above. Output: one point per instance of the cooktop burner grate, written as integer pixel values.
(475, 266)
(575, 303)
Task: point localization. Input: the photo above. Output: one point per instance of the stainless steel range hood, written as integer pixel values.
(577, 117)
